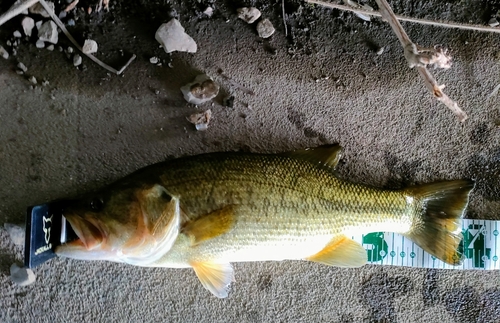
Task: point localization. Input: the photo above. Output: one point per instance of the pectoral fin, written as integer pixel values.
(341, 252)
(210, 225)
(214, 277)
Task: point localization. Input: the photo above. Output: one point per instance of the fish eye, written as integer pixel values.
(97, 204)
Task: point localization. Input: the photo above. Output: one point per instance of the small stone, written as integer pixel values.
(493, 22)
(250, 15)
(38, 9)
(28, 25)
(154, 60)
(59, 48)
(16, 233)
(4, 53)
(9, 43)
(22, 276)
(89, 47)
(48, 32)
(19, 72)
(70, 50)
(45, 83)
(63, 14)
(22, 67)
(209, 11)
(32, 80)
(173, 38)
(77, 60)
(201, 90)
(380, 51)
(38, 24)
(50, 47)
(265, 28)
(201, 120)
(40, 44)
(18, 34)
(71, 22)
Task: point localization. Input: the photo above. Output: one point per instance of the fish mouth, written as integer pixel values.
(88, 245)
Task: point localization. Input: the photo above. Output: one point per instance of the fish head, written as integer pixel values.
(131, 224)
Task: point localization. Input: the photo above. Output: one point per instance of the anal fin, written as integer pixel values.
(341, 252)
(210, 226)
(214, 277)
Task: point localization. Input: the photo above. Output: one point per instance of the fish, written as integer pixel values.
(207, 211)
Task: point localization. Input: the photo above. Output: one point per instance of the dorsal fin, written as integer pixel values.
(328, 155)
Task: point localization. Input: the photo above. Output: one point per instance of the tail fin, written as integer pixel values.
(438, 230)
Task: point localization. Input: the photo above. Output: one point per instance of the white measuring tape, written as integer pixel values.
(481, 248)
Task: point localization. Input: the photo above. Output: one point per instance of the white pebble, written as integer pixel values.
(77, 60)
(40, 44)
(48, 32)
(22, 67)
(154, 60)
(172, 37)
(4, 53)
(50, 47)
(18, 34)
(89, 47)
(201, 90)
(22, 276)
(209, 11)
(32, 80)
(265, 28)
(250, 15)
(493, 22)
(28, 25)
(16, 233)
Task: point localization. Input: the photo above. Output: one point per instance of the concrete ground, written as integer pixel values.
(323, 83)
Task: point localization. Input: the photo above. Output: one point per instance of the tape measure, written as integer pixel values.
(481, 248)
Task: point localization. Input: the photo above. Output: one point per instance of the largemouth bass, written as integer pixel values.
(210, 210)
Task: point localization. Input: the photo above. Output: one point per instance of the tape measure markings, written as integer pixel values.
(479, 248)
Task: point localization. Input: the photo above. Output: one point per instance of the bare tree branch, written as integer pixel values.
(415, 55)
(421, 58)
(408, 19)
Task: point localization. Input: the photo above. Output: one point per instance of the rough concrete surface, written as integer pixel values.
(324, 83)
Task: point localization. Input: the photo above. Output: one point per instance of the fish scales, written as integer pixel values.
(283, 203)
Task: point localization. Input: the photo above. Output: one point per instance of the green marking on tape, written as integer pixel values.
(375, 246)
(474, 245)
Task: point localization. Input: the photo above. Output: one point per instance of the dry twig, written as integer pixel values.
(408, 19)
(16, 9)
(284, 18)
(421, 58)
(22, 5)
(415, 55)
(71, 39)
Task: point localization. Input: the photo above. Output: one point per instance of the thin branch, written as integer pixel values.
(284, 18)
(75, 43)
(421, 58)
(17, 8)
(409, 19)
